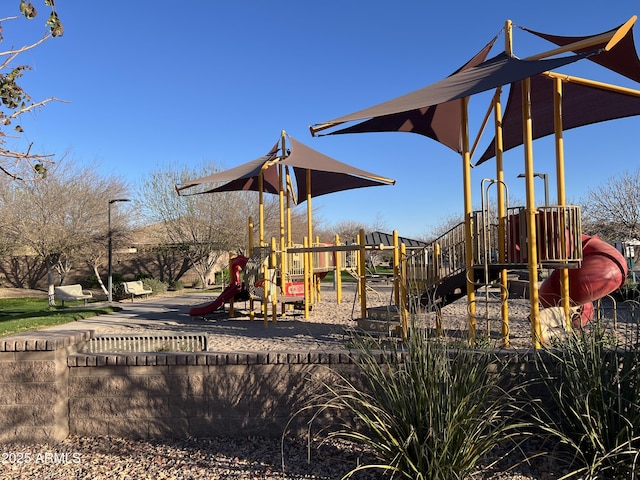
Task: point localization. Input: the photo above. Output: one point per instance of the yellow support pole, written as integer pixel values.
(250, 236)
(396, 269)
(307, 284)
(283, 247)
(404, 312)
(468, 219)
(338, 274)
(231, 310)
(273, 283)
(250, 222)
(532, 250)
(289, 193)
(502, 220)
(310, 234)
(560, 182)
(362, 274)
(261, 206)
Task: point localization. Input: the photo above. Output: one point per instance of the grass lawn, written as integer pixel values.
(19, 315)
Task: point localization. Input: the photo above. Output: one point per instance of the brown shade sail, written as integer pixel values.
(327, 174)
(581, 105)
(621, 58)
(438, 122)
(495, 72)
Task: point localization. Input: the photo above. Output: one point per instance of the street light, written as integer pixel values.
(545, 178)
(110, 280)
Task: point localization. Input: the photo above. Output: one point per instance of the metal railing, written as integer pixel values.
(446, 255)
(118, 343)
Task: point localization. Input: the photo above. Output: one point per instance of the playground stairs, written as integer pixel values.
(381, 322)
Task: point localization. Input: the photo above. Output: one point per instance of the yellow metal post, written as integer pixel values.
(251, 312)
(338, 270)
(560, 181)
(289, 193)
(532, 250)
(468, 218)
(310, 236)
(502, 220)
(307, 284)
(362, 274)
(250, 235)
(396, 268)
(261, 206)
(272, 281)
(231, 310)
(404, 312)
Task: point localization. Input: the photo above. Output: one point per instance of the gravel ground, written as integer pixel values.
(217, 458)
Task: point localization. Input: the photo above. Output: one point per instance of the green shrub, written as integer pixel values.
(176, 285)
(117, 291)
(427, 412)
(157, 286)
(593, 383)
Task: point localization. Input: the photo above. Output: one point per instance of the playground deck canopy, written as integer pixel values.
(430, 111)
(495, 72)
(328, 175)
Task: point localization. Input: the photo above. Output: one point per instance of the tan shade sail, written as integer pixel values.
(439, 122)
(327, 174)
(495, 72)
(581, 105)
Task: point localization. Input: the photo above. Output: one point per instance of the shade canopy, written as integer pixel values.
(581, 105)
(441, 122)
(327, 174)
(242, 177)
(622, 58)
(495, 72)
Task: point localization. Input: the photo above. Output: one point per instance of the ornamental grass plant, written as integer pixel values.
(426, 410)
(591, 405)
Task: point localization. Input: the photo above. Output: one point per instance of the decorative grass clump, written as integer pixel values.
(592, 403)
(426, 411)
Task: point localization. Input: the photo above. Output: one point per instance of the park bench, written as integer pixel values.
(70, 293)
(136, 288)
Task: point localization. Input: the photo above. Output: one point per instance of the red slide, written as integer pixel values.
(226, 295)
(603, 270)
(237, 265)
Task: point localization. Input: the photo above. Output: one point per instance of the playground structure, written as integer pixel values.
(431, 277)
(482, 251)
(537, 95)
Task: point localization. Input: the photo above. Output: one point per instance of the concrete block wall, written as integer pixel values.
(194, 394)
(49, 389)
(33, 385)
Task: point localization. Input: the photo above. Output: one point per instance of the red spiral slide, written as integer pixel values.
(603, 270)
(235, 286)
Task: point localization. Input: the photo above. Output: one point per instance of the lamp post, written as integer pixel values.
(545, 179)
(110, 278)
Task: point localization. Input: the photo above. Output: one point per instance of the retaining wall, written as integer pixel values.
(49, 389)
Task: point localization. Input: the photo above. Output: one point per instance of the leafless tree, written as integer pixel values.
(62, 218)
(612, 209)
(201, 228)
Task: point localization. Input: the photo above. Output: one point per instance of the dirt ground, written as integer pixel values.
(21, 293)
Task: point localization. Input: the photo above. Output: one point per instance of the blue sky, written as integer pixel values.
(156, 83)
